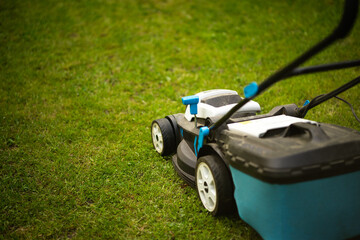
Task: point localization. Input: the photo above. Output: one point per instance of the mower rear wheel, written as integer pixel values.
(163, 137)
(214, 185)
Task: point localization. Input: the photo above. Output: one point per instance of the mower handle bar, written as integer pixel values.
(341, 31)
(322, 98)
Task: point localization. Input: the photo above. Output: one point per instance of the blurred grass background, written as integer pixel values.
(81, 82)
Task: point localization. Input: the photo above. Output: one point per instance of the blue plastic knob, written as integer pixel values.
(251, 89)
(192, 101)
(306, 102)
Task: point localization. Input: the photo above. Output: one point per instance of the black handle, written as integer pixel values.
(316, 133)
(346, 23)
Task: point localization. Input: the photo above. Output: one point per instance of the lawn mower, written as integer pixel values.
(286, 176)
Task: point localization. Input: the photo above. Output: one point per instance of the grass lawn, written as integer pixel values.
(81, 82)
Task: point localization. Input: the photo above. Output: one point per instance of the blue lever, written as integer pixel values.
(192, 101)
(204, 131)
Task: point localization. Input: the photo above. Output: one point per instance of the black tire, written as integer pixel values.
(214, 185)
(163, 137)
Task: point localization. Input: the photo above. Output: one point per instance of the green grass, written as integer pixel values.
(81, 82)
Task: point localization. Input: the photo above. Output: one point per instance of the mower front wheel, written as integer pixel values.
(163, 137)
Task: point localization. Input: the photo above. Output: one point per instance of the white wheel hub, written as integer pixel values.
(206, 186)
(157, 138)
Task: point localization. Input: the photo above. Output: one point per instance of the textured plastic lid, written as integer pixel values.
(300, 152)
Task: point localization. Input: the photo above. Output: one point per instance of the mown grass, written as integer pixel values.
(81, 82)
